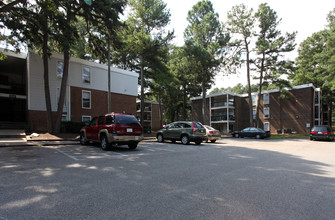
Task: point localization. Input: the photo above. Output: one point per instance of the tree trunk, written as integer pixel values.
(160, 110)
(260, 91)
(62, 92)
(204, 109)
(184, 101)
(46, 83)
(142, 92)
(251, 119)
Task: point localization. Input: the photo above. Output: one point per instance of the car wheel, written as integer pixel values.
(213, 141)
(185, 139)
(258, 136)
(198, 142)
(83, 139)
(104, 142)
(160, 138)
(237, 136)
(133, 145)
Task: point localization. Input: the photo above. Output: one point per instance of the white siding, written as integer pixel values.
(123, 82)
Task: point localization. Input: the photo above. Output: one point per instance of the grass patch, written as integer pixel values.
(287, 136)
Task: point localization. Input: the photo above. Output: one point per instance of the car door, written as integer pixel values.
(245, 132)
(90, 128)
(99, 126)
(168, 131)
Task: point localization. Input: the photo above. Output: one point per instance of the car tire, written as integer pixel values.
(160, 138)
(236, 135)
(104, 142)
(198, 142)
(185, 140)
(213, 141)
(258, 136)
(133, 145)
(83, 140)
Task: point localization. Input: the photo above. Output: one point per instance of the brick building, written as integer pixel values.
(22, 89)
(298, 112)
(152, 116)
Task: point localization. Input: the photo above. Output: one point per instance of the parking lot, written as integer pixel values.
(231, 179)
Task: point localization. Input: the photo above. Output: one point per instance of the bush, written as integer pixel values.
(72, 126)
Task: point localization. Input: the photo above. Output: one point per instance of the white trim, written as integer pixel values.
(82, 99)
(268, 126)
(268, 98)
(268, 115)
(88, 116)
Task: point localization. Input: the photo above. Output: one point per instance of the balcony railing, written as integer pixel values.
(221, 104)
(222, 118)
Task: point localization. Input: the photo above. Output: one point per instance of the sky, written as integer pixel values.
(305, 17)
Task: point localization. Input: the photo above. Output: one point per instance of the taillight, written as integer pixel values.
(314, 132)
(193, 128)
(326, 132)
(113, 130)
(211, 132)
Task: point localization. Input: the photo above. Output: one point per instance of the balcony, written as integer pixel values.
(222, 118)
(222, 104)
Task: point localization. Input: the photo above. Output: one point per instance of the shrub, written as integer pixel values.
(72, 126)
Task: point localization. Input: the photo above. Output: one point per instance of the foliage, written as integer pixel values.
(206, 40)
(270, 47)
(241, 23)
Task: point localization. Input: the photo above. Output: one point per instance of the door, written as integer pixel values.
(91, 128)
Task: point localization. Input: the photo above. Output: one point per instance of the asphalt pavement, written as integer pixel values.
(231, 179)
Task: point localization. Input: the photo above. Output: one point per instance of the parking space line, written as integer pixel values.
(62, 152)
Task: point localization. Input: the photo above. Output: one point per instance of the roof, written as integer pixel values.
(304, 86)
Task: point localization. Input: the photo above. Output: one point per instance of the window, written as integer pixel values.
(64, 117)
(254, 114)
(101, 120)
(94, 121)
(60, 68)
(86, 99)
(267, 126)
(254, 100)
(85, 118)
(266, 98)
(86, 75)
(266, 113)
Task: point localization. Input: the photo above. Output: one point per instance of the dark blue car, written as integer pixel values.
(251, 132)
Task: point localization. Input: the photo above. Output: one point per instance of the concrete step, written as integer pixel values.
(12, 134)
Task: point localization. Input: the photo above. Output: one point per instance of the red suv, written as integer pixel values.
(111, 130)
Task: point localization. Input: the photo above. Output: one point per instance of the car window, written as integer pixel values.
(126, 120)
(246, 130)
(93, 122)
(109, 120)
(197, 125)
(254, 130)
(101, 120)
(209, 128)
(177, 125)
(321, 129)
(184, 125)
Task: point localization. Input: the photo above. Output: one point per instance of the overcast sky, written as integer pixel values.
(305, 17)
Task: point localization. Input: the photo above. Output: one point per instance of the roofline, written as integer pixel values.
(303, 86)
(12, 53)
(94, 64)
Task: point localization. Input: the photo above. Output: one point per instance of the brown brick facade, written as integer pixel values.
(293, 112)
(120, 103)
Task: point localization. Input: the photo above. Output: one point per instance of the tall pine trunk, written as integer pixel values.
(204, 107)
(46, 83)
(62, 92)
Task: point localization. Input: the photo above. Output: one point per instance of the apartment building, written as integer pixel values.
(152, 117)
(298, 112)
(22, 89)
